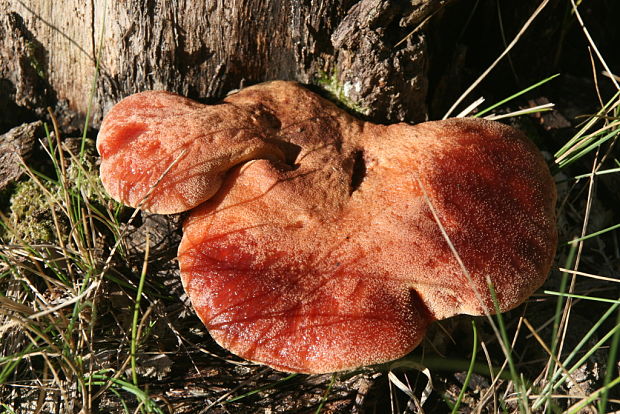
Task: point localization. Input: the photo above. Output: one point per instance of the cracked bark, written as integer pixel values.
(205, 49)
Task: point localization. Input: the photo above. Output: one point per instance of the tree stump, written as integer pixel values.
(371, 54)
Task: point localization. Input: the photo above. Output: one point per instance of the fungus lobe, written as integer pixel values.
(313, 243)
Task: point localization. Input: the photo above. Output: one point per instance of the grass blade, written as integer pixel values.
(470, 370)
(584, 297)
(598, 233)
(612, 362)
(136, 312)
(516, 95)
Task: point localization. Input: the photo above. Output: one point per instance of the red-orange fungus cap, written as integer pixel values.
(314, 242)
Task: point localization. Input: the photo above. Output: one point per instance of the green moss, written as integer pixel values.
(84, 175)
(30, 214)
(330, 82)
(29, 209)
(35, 53)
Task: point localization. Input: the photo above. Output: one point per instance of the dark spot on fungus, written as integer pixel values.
(359, 170)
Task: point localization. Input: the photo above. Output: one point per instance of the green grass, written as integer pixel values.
(83, 312)
(515, 96)
(57, 282)
(470, 370)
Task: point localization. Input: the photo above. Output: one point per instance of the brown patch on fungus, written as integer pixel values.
(311, 246)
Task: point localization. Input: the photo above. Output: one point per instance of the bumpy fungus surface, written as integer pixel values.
(311, 245)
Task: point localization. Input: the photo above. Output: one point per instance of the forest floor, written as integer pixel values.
(91, 319)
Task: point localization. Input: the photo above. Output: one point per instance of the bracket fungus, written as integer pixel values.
(317, 242)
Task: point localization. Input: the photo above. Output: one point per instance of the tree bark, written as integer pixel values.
(367, 52)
